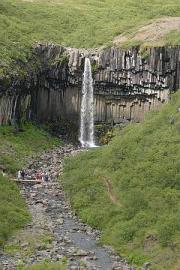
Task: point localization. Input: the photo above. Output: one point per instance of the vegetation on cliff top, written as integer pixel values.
(130, 189)
(15, 150)
(73, 23)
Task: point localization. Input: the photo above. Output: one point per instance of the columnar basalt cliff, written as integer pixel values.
(127, 83)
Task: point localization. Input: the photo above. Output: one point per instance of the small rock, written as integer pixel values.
(59, 257)
(73, 267)
(60, 221)
(24, 245)
(81, 252)
(146, 266)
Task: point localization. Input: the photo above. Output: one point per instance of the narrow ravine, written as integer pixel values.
(51, 213)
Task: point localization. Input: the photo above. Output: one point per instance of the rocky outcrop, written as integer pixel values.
(14, 107)
(127, 83)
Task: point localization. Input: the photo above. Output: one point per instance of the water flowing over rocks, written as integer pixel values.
(51, 213)
(87, 108)
(127, 83)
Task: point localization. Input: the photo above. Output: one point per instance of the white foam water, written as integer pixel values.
(87, 108)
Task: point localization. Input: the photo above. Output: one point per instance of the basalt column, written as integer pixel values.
(127, 84)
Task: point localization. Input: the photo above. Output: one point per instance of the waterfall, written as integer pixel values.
(87, 108)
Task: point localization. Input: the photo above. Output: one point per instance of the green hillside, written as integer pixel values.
(130, 189)
(74, 23)
(13, 211)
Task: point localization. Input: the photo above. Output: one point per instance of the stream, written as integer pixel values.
(52, 213)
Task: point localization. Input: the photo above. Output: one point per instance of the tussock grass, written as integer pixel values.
(143, 164)
(73, 23)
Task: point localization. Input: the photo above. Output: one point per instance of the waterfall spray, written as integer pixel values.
(87, 108)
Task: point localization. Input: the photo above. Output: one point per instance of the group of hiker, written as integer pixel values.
(22, 175)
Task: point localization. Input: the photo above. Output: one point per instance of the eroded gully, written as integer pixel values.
(51, 213)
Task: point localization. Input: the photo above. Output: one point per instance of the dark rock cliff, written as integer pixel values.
(127, 83)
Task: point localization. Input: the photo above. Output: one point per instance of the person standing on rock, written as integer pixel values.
(23, 174)
(41, 176)
(46, 177)
(19, 175)
(38, 176)
(3, 172)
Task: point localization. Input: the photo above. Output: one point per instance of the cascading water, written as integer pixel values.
(87, 108)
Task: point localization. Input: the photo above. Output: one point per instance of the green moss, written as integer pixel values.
(145, 52)
(142, 164)
(94, 67)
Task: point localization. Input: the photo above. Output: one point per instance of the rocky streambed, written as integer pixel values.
(53, 216)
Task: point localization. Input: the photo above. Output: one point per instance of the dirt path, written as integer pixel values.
(154, 31)
(110, 190)
(55, 232)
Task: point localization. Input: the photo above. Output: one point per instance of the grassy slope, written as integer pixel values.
(13, 212)
(15, 150)
(172, 37)
(74, 23)
(143, 165)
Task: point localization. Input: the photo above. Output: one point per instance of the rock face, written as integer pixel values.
(127, 83)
